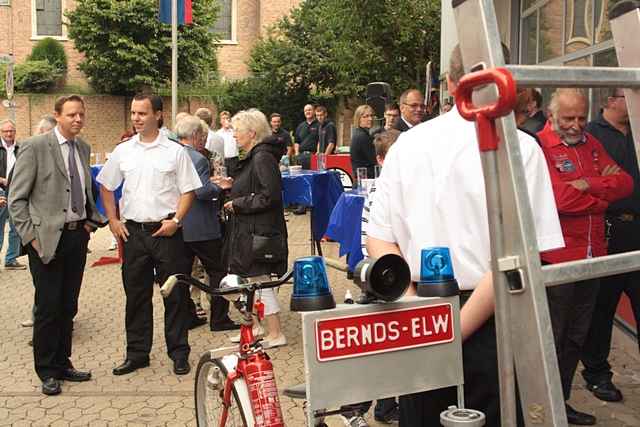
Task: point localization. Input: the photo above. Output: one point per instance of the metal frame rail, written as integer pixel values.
(523, 326)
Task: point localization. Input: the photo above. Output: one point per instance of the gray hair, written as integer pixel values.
(456, 66)
(205, 114)
(188, 127)
(5, 121)
(46, 123)
(554, 104)
(252, 120)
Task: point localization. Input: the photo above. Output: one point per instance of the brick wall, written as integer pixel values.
(16, 35)
(252, 19)
(107, 116)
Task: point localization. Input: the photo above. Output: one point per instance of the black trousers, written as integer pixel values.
(481, 385)
(142, 254)
(625, 236)
(210, 254)
(571, 306)
(57, 287)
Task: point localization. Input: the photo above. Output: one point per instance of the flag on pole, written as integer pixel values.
(185, 13)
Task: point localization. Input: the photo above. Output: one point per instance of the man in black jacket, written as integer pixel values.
(412, 110)
(611, 128)
(327, 133)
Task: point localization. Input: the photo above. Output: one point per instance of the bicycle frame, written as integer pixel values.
(253, 365)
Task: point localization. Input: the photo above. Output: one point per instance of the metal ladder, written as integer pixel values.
(523, 326)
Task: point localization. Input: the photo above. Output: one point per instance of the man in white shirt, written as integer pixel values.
(159, 183)
(215, 143)
(230, 145)
(431, 193)
(8, 151)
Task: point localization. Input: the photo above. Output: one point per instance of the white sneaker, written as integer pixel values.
(355, 421)
(27, 323)
(257, 332)
(277, 342)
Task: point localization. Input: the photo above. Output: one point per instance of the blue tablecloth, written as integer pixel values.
(319, 190)
(345, 226)
(95, 170)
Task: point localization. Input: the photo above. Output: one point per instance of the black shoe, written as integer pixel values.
(229, 325)
(181, 366)
(393, 416)
(130, 366)
(51, 386)
(300, 211)
(30, 343)
(579, 418)
(197, 322)
(606, 391)
(73, 375)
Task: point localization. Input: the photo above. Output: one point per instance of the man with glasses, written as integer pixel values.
(411, 110)
(611, 128)
(391, 114)
(8, 151)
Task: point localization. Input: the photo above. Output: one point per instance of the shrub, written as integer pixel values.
(35, 76)
(50, 50)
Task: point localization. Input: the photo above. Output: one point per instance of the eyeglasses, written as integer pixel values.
(415, 106)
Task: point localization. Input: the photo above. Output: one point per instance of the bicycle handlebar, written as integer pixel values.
(247, 285)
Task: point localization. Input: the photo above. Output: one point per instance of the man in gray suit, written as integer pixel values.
(52, 206)
(201, 225)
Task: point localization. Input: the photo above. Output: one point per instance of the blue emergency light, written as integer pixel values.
(436, 273)
(311, 289)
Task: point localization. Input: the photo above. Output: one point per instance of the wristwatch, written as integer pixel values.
(177, 221)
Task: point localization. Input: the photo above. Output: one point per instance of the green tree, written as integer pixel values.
(127, 49)
(50, 50)
(334, 48)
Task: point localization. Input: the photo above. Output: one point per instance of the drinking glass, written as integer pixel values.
(322, 161)
(361, 175)
(221, 171)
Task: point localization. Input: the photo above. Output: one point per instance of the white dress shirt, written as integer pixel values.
(215, 143)
(11, 156)
(431, 193)
(155, 175)
(230, 146)
(71, 216)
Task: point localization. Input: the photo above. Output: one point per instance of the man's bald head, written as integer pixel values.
(569, 108)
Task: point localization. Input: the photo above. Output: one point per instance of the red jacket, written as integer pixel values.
(581, 212)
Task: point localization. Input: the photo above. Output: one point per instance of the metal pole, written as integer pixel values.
(174, 61)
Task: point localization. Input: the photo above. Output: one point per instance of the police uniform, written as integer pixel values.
(155, 175)
(433, 194)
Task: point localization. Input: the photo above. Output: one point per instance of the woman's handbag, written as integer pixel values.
(269, 249)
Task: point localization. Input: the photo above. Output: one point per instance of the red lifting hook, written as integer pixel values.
(486, 115)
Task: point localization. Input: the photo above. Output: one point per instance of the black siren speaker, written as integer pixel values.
(378, 95)
(386, 278)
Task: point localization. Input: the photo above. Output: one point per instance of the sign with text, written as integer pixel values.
(380, 332)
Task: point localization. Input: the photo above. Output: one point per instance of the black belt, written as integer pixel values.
(149, 227)
(74, 225)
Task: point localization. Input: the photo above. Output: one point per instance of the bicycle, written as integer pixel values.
(237, 389)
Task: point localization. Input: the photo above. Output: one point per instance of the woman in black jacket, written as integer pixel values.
(363, 152)
(257, 237)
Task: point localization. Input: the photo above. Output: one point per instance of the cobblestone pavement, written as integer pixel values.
(155, 396)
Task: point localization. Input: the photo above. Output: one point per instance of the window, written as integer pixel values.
(47, 18)
(225, 25)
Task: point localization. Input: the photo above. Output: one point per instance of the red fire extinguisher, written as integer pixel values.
(261, 382)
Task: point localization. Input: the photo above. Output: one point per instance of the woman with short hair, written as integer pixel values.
(257, 238)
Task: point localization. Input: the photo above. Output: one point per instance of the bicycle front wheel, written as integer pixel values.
(209, 393)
